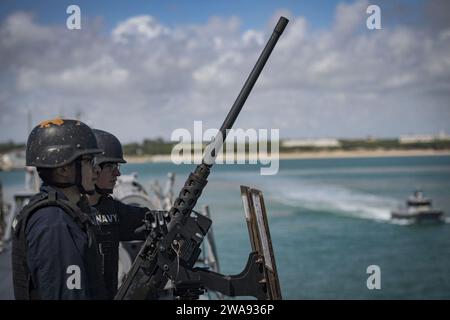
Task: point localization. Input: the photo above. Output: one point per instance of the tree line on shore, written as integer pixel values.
(159, 146)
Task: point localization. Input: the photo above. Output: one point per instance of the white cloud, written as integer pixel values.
(102, 73)
(220, 71)
(142, 28)
(253, 36)
(19, 29)
(350, 17)
(146, 79)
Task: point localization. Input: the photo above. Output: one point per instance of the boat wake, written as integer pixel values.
(336, 200)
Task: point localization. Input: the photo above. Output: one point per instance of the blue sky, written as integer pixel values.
(142, 69)
(254, 13)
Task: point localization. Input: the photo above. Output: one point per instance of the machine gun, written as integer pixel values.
(171, 255)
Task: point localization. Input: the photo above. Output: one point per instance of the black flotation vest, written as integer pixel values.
(24, 288)
(107, 236)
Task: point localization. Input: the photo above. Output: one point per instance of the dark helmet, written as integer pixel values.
(58, 142)
(112, 148)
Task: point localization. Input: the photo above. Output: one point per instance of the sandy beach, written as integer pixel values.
(316, 155)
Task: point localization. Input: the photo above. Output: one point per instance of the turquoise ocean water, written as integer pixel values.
(329, 221)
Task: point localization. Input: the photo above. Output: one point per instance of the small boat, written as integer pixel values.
(418, 207)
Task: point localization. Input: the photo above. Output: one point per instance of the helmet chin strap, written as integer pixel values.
(62, 185)
(79, 180)
(103, 192)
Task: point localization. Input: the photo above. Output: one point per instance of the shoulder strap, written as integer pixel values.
(51, 199)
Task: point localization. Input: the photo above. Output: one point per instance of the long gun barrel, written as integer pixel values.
(245, 91)
(192, 190)
(155, 261)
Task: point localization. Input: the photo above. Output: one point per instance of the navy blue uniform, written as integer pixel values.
(59, 255)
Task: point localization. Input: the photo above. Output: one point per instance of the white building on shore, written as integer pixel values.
(315, 143)
(423, 138)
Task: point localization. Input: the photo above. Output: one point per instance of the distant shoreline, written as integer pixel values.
(318, 155)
